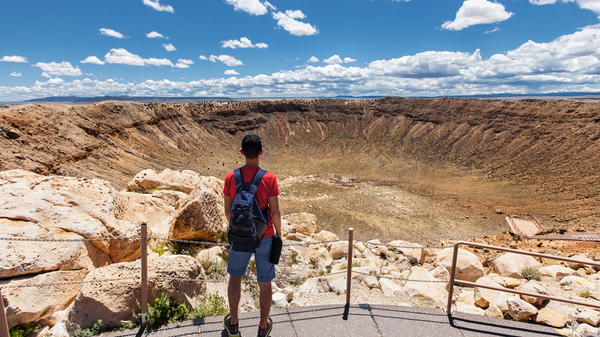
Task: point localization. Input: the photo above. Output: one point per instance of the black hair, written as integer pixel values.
(251, 146)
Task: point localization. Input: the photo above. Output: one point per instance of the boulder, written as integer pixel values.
(389, 287)
(304, 223)
(440, 272)
(552, 318)
(338, 250)
(576, 265)
(500, 302)
(145, 208)
(212, 255)
(185, 181)
(578, 282)
(536, 288)
(590, 317)
(511, 264)
(462, 307)
(279, 300)
(423, 292)
(520, 310)
(556, 271)
(170, 198)
(286, 228)
(325, 236)
(468, 266)
(466, 296)
(403, 247)
(200, 217)
(484, 296)
(371, 282)
(494, 312)
(31, 304)
(113, 301)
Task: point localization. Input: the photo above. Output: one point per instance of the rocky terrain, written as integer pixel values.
(424, 171)
(416, 169)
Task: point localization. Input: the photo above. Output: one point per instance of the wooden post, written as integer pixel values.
(144, 248)
(349, 273)
(452, 274)
(3, 322)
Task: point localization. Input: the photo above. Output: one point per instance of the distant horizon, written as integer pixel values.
(282, 49)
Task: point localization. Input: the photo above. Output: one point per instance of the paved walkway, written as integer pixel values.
(363, 320)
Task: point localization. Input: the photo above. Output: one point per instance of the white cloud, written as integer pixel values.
(244, 42)
(203, 58)
(568, 63)
(14, 58)
(335, 59)
(183, 63)
(349, 60)
(169, 47)
(254, 7)
(158, 62)
(593, 5)
(226, 59)
(496, 29)
(58, 69)
(15, 74)
(112, 33)
(92, 60)
(475, 12)
(154, 35)
(289, 22)
(157, 6)
(231, 72)
(313, 59)
(122, 56)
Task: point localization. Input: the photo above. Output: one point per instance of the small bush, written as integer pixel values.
(294, 256)
(413, 261)
(214, 306)
(585, 294)
(221, 237)
(216, 271)
(23, 331)
(531, 273)
(166, 310)
(87, 332)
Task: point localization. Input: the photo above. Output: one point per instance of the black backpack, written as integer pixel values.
(247, 222)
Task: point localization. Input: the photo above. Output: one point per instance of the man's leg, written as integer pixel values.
(266, 296)
(234, 293)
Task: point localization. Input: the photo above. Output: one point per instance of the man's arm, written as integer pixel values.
(275, 215)
(227, 204)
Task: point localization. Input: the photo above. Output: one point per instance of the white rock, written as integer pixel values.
(511, 264)
(280, 300)
(423, 292)
(494, 312)
(484, 296)
(371, 282)
(389, 287)
(590, 317)
(577, 282)
(462, 307)
(534, 287)
(583, 329)
(519, 309)
(304, 223)
(556, 271)
(551, 317)
(468, 266)
(418, 252)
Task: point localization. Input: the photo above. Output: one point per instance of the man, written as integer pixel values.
(267, 197)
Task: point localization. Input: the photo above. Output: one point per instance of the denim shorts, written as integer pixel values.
(265, 270)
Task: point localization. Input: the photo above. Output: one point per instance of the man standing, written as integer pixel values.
(267, 197)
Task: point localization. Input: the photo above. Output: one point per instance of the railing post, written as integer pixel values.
(452, 274)
(3, 322)
(349, 272)
(144, 249)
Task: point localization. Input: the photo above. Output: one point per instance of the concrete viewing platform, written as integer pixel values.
(363, 320)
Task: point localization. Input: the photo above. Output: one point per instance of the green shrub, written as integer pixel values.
(214, 306)
(23, 331)
(87, 332)
(166, 310)
(585, 294)
(531, 273)
(216, 271)
(294, 256)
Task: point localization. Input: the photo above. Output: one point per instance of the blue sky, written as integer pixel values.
(297, 48)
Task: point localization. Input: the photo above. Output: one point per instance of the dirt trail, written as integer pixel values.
(425, 168)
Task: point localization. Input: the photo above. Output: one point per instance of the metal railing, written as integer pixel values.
(520, 292)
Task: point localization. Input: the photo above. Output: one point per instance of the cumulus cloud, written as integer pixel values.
(112, 33)
(203, 58)
(14, 58)
(226, 59)
(122, 56)
(184, 63)
(92, 60)
(289, 22)
(58, 69)
(231, 72)
(244, 42)
(155, 4)
(155, 35)
(475, 12)
(349, 60)
(335, 59)
(593, 5)
(568, 63)
(169, 47)
(15, 74)
(254, 7)
(313, 59)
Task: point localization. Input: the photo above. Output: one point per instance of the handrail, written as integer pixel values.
(516, 251)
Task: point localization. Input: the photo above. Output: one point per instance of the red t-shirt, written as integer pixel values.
(266, 188)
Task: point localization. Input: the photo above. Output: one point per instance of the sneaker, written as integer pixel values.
(232, 331)
(265, 333)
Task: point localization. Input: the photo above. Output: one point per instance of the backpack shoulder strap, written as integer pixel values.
(256, 180)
